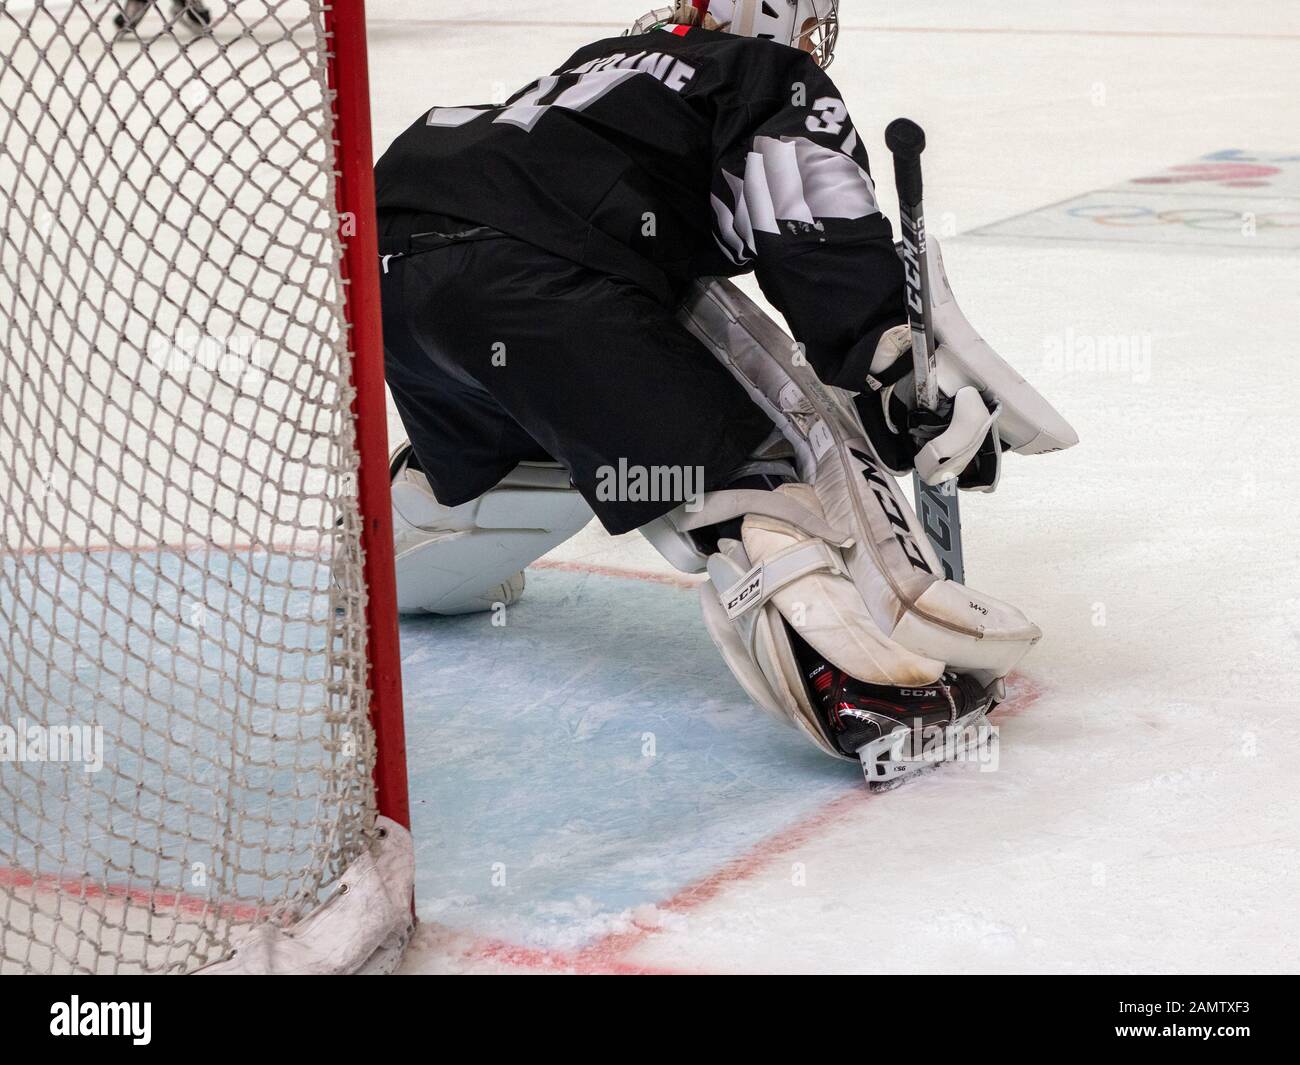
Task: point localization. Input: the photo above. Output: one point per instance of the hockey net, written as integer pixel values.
(198, 686)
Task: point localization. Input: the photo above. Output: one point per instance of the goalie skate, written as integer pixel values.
(130, 16)
(898, 732)
(194, 13)
(897, 757)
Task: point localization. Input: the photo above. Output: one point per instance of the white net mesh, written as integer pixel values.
(180, 587)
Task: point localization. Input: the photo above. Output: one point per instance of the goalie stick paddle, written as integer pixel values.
(936, 505)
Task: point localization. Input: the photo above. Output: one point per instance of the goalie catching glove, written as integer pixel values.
(985, 407)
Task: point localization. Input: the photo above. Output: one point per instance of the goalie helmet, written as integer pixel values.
(810, 24)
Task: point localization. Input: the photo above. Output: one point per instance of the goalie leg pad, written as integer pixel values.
(465, 559)
(841, 557)
(782, 577)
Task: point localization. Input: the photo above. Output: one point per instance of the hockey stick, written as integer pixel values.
(936, 505)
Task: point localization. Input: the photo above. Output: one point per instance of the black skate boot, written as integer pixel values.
(897, 732)
(194, 13)
(130, 15)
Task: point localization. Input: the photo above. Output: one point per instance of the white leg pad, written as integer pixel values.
(840, 558)
(757, 649)
(884, 552)
(465, 559)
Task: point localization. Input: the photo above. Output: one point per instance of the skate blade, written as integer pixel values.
(884, 772)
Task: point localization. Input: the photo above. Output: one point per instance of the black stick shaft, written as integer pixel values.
(936, 505)
(906, 141)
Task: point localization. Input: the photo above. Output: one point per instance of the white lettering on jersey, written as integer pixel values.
(680, 76)
(525, 111)
(577, 97)
(595, 79)
(672, 72)
(829, 117)
(455, 116)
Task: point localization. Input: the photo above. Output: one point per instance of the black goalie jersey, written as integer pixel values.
(672, 155)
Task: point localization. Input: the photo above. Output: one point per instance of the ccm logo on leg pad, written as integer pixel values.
(744, 594)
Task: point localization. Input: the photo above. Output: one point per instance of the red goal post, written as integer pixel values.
(345, 25)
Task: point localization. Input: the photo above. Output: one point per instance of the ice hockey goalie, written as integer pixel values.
(556, 313)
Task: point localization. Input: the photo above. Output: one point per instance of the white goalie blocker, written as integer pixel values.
(839, 557)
